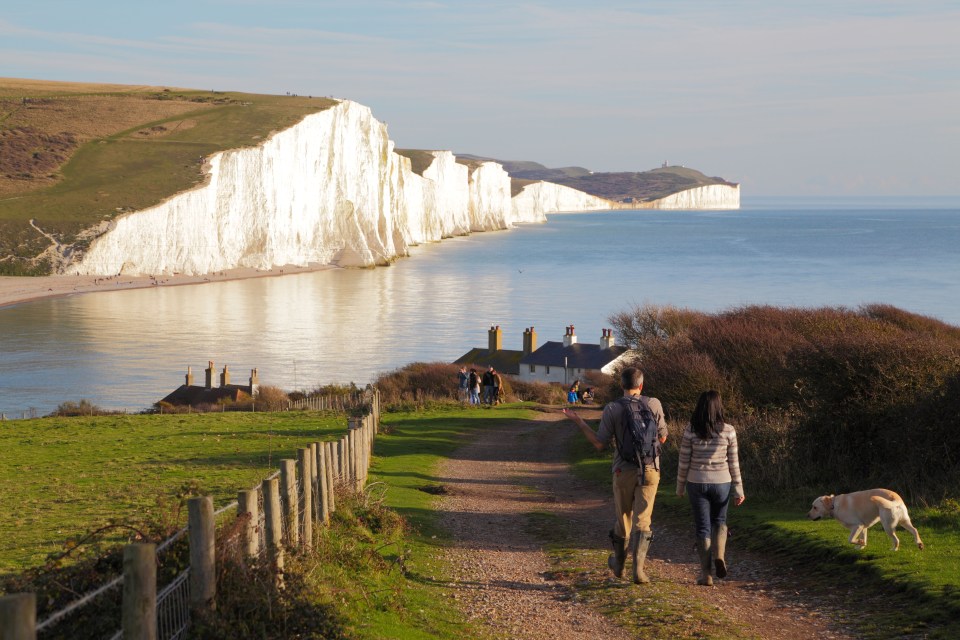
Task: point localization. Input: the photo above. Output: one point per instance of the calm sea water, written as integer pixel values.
(128, 349)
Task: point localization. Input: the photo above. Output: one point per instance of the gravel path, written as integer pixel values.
(504, 580)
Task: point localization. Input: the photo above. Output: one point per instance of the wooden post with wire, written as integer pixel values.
(201, 531)
(18, 616)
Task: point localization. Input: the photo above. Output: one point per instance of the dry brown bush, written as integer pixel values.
(829, 398)
(271, 398)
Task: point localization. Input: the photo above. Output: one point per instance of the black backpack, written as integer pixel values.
(641, 443)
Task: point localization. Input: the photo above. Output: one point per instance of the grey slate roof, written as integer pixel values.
(505, 360)
(578, 355)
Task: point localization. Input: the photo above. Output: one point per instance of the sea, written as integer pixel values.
(125, 350)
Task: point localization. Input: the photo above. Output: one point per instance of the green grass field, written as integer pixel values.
(63, 477)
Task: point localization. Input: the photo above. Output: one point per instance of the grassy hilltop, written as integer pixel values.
(74, 154)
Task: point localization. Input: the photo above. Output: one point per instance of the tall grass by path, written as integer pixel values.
(62, 477)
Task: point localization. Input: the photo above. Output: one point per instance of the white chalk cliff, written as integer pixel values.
(537, 199)
(711, 196)
(329, 190)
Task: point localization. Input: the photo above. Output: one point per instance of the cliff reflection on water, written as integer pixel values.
(128, 349)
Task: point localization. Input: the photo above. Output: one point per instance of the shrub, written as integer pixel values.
(271, 398)
(420, 382)
(540, 392)
(830, 398)
(82, 408)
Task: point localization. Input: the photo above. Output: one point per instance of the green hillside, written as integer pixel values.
(74, 155)
(641, 186)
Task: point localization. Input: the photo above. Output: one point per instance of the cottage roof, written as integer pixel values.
(505, 361)
(194, 395)
(578, 355)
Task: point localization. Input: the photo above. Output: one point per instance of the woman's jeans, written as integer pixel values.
(709, 502)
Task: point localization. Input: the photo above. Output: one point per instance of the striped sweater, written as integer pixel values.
(712, 461)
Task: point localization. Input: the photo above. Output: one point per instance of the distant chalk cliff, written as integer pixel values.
(330, 190)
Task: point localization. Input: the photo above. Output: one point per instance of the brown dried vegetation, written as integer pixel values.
(829, 398)
(39, 134)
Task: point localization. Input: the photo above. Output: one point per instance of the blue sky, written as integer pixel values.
(789, 98)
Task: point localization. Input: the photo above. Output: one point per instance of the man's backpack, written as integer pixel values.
(641, 443)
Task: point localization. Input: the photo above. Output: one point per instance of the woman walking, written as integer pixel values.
(709, 473)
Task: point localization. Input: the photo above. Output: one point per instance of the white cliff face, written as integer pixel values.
(329, 190)
(540, 198)
(713, 196)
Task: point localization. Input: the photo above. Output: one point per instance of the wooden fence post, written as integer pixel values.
(18, 616)
(247, 506)
(344, 457)
(273, 518)
(288, 492)
(323, 500)
(305, 498)
(139, 609)
(202, 534)
(335, 454)
(330, 451)
(314, 484)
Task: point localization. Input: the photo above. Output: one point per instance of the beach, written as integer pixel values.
(20, 289)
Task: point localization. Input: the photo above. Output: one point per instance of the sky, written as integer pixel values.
(821, 97)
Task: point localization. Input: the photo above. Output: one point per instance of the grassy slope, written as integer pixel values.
(127, 172)
(902, 593)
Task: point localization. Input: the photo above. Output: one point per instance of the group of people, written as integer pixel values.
(708, 474)
(477, 389)
(576, 396)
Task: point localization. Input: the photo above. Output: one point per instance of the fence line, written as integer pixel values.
(330, 402)
(343, 464)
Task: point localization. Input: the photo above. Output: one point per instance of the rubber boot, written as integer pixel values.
(703, 550)
(619, 556)
(639, 543)
(719, 550)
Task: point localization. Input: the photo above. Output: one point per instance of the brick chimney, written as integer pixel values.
(209, 371)
(569, 337)
(606, 341)
(254, 383)
(529, 341)
(495, 339)
(225, 377)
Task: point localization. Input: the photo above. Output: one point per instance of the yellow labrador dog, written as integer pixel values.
(861, 510)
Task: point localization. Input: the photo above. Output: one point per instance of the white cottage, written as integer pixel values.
(569, 360)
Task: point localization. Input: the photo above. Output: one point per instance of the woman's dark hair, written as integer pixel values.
(707, 418)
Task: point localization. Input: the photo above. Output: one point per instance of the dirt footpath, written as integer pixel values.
(515, 474)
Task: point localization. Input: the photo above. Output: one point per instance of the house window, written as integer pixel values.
(533, 368)
(548, 370)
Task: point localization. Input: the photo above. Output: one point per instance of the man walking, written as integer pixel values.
(634, 483)
(488, 386)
